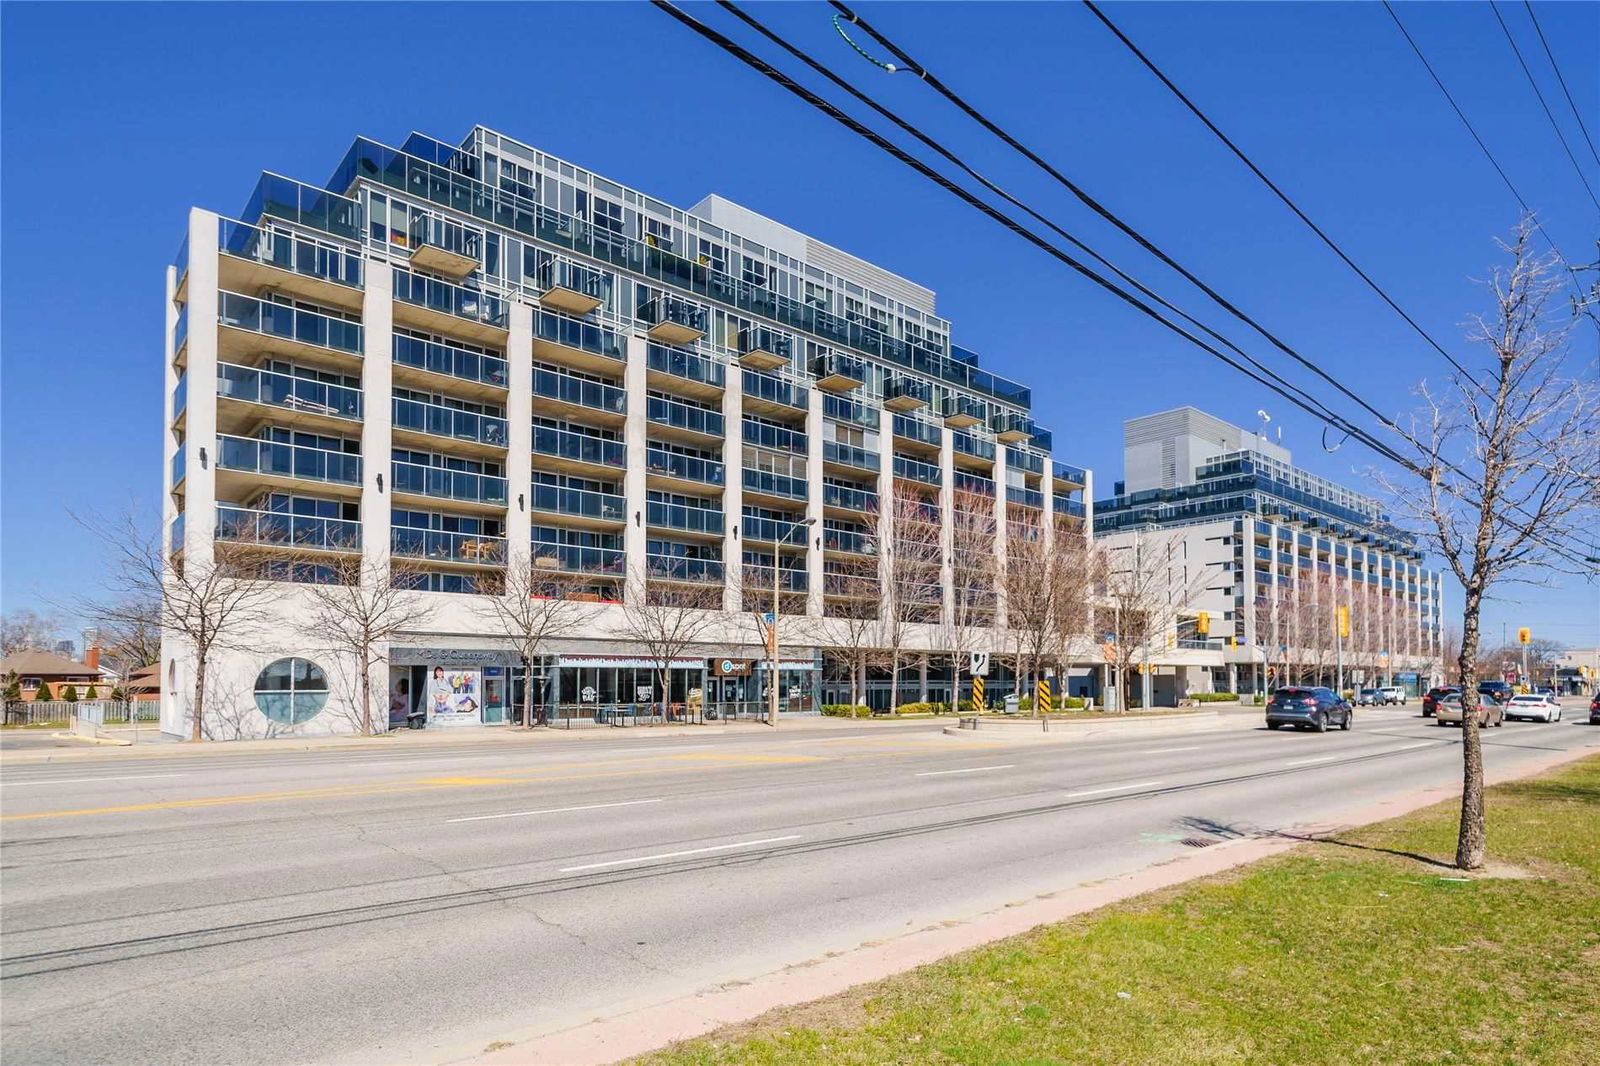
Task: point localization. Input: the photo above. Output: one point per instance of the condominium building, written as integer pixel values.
(453, 359)
(1296, 576)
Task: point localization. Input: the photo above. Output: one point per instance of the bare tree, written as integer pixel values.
(669, 618)
(131, 640)
(209, 604)
(531, 605)
(1078, 577)
(908, 571)
(974, 578)
(1511, 457)
(852, 629)
(1046, 596)
(363, 606)
(1146, 582)
(28, 630)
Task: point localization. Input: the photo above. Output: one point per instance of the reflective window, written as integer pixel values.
(291, 691)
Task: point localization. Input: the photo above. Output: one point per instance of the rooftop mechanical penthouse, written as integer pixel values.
(453, 360)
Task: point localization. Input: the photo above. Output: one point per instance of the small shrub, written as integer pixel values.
(846, 710)
(1025, 703)
(118, 695)
(923, 708)
(1214, 697)
(92, 694)
(43, 691)
(70, 693)
(1071, 703)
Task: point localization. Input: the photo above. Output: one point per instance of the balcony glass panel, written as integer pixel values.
(565, 274)
(446, 484)
(687, 467)
(916, 470)
(774, 484)
(179, 526)
(180, 394)
(684, 416)
(679, 516)
(665, 307)
(983, 486)
(582, 503)
(769, 436)
(916, 429)
(775, 390)
(449, 299)
(275, 527)
(1032, 462)
(285, 390)
(290, 251)
(308, 205)
(682, 364)
(790, 578)
(907, 388)
(773, 530)
(180, 329)
(680, 568)
(844, 409)
(1068, 506)
(763, 339)
(579, 559)
(849, 455)
(288, 460)
(851, 499)
(454, 362)
(977, 447)
(446, 235)
(1072, 474)
(291, 323)
(178, 468)
(440, 546)
(1026, 497)
(581, 392)
(837, 364)
(448, 422)
(582, 336)
(579, 447)
(849, 540)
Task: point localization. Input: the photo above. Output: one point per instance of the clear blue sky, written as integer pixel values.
(118, 117)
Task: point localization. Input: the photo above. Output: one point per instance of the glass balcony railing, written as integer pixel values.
(438, 421)
(1068, 506)
(790, 579)
(579, 503)
(849, 499)
(916, 470)
(964, 410)
(778, 437)
(1025, 497)
(765, 481)
(844, 409)
(452, 362)
(179, 525)
(180, 329)
(1009, 425)
(906, 394)
(977, 447)
(438, 546)
(580, 392)
(688, 365)
(776, 390)
(1043, 439)
(288, 460)
(687, 467)
(773, 531)
(268, 387)
(580, 336)
(289, 251)
(309, 205)
(1031, 462)
(446, 298)
(983, 486)
(591, 286)
(679, 318)
(178, 468)
(446, 235)
(679, 516)
(684, 416)
(849, 455)
(1072, 475)
(579, 447)
(290, 323)
(244, 526)
(849, 540)
(764, 341)
(916, 429)
(446, 484)
(837, 370)
(579, 559)
(180, 394)
(679, 568)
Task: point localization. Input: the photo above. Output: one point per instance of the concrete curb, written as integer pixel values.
(609, 1040)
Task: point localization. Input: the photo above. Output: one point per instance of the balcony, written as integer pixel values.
(1031, 462)
(758, 577)
(768, 483)
(444, 246)
(673, 320)
(967, 446)
(1021, 497)
(582, 397)
(844, 409)
(579, 559)
(761, 348)
(766, 394)
(292, 463)
(853, 542)
(254, 327)
(959, 412)
(294, 400)
(429, 363)
(580, 344)
(915, 470)
(676, 370)
(660, 463)
(681, 568)
(1011, 427)
(686, 420)
(437, 546)
(848, 456)
(413, 417)
(1066, 505)
(924, 435)
(576, 290)
(579, 449)
(600, 508)
(1075, 476)
(974, 483)
(442, 307)
(853, 500)
(838, 372)
(442, 483)
(788, 535)
(240, 525)
(776, 438)
(706, 521)
(906, 394)
(255, 258)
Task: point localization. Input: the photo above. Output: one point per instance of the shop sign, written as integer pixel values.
(604, 661)
(479, 657)
(730, 667)
(644, 693)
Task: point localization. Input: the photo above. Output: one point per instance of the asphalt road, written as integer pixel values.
(381, 907)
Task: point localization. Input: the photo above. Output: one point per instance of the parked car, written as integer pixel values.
(1371, 697)
(1545, 690)
(1534, 708)
(1430, 702)
(1594, 709)
(1448, 711)
(1396, 694)
(1498, 691)
(1309, 708)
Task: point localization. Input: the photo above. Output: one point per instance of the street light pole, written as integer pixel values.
(772, 641)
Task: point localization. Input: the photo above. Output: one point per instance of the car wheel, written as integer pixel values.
(1347, 720)
(1443, 722)
(1274, 725)
(1319, 724)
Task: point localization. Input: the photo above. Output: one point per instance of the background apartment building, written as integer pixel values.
(1268, 552)
(466, 357)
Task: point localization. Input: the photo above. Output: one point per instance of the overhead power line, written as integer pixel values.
(1534, 85)
(1563, 81)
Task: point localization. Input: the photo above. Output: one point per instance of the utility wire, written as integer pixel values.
(1094, 205)
(1512, 41)
(1557, 68)
(955, 160)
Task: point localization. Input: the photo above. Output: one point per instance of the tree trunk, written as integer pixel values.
(366, 698)
(1471, 841)
(527, 692)
(199, 695)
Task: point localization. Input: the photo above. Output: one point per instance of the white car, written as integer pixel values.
(1535, 708)
(1395, 694)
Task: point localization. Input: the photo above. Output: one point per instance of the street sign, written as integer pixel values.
(978, 666)
(1044, 701)
(977, 693)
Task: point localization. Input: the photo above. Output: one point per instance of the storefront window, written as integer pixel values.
(291, 691)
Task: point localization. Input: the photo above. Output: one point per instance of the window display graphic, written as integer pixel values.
(455, 696)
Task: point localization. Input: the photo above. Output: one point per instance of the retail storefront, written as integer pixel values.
(443, 688)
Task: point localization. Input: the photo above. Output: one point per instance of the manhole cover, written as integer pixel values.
(1197, 842)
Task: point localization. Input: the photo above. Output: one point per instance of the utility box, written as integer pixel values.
(1011, 703)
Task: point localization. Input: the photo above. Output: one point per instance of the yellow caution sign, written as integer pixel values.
(977, 694)
(1044, 701)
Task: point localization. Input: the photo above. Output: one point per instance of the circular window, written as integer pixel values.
(291, 691)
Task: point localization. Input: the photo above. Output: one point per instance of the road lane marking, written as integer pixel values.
(968, 770)
(1113, 788)
(1307, 762)
(677, 854)
(1168, 751)
(74, 780)
(552, 810)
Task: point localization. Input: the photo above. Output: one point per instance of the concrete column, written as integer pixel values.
(377, 413)
(1233, 677)
(947, 481)
(519, 435)
(813, 535)
(633, 480)
(201, 445)
(733, 488)
(922, 679)
(1002, 467)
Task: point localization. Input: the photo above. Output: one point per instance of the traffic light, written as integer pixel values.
(1202, 624)
(1343, 614)
(1524, 635)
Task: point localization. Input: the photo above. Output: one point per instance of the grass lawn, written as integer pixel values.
(1338, 953)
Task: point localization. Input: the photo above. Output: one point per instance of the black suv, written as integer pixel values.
(1309, 708)
(1498, 691)
(1430, 702)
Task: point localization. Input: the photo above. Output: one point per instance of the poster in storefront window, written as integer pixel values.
(455, 696)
